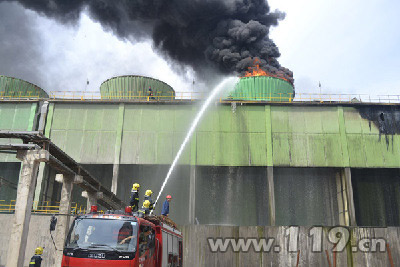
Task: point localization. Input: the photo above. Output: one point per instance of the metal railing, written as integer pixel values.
(44, 207)
(18, 96)
(195, 96)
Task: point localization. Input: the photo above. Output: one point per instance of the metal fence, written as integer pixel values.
(195, 96)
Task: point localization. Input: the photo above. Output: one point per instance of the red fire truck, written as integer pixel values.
(121, 239)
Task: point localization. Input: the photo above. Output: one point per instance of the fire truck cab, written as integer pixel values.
(121, 239)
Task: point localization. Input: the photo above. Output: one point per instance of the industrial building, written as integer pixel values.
(258, 158)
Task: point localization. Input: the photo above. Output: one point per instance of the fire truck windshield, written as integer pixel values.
(103, 234)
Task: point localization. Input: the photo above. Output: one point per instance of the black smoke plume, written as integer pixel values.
(223, 35)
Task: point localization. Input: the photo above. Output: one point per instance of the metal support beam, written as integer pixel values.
(350, 197)
(271, 195)
(23, 205)
(192, 195)
(268, 134)
(63, 163)
(192, 181)
(343, 138)
(117, 149)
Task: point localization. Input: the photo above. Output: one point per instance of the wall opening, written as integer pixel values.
(232, 196)
(306, 196)
(376, 196)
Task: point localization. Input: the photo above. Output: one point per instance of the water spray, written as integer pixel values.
(199, 115)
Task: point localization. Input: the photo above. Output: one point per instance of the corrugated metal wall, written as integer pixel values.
(301, 136)
(18, 116)
(133, 87)
(263, 88)
(10, 86)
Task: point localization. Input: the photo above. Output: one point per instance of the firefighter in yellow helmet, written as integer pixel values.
(147, 196)
(145, 210)
(135, 197)
(36, 260)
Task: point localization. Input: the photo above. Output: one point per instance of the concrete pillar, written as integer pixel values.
(39, 185)
(64, 217)
(23, 205)
(92, 198)
(350, 197)
(192, 195)
(114, 181)
(271, 195)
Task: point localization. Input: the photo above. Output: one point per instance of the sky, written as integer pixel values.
(347, 46)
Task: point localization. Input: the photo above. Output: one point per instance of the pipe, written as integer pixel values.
(43, 116)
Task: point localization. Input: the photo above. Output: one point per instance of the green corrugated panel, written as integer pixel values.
(298, 150)
(316, 150)
(366, 147)
(86, 132)
(132, 87)
(355, 145)
(167, 125)
(262, 88)
(165, 147)
(333, 151)
(152, 134)
(281, 149)
(14, 87)
(17, 117)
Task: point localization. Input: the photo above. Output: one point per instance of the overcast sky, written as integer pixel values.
(349, 46)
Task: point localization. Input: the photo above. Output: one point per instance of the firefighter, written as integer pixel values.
(147, 196)
(165, 207)
(145, 210)
(135, 197)
(150, 94)
(36, 260)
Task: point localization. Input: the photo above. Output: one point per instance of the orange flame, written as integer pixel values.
(257, 71)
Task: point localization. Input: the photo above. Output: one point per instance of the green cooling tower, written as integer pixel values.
(15, 88)
(135, 87)
(263, 88)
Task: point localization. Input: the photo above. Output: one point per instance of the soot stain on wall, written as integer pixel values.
(385, 118)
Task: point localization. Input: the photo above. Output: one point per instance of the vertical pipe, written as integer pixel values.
(118, 146)
(271, 195)
(350, 197)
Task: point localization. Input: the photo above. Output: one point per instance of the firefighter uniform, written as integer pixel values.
(147, 196)
(36, 260)
(145, 208)
(134, 202)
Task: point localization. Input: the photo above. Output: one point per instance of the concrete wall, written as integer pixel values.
(39, 235)
(197, 251)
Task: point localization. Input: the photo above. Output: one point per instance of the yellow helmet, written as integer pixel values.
(148, 193)
(146, 204)
(135, 186)
(39, 251)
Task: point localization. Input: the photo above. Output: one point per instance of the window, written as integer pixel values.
(146, 240)
(107, 233)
